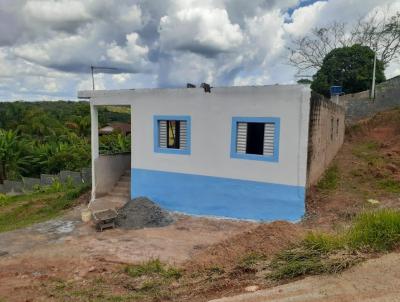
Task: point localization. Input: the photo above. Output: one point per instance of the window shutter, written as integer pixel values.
(183, 135)
(162, 134)
(241, 137)
(269, 136)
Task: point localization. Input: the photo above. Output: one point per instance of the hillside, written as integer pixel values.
(365, 173)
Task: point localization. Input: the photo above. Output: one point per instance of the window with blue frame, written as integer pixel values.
(255, 138)
(172, 134)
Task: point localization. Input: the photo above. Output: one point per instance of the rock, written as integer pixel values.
(373, 201)
(252, 288)
(91, 269)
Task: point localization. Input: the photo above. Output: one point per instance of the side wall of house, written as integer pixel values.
(326, 135)
(208, 181)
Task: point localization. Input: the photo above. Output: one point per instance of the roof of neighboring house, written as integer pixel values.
(124, 128)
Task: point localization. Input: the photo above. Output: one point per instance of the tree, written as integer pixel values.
(380, 32)
(349, 67)
(304, 81)
(12, 161)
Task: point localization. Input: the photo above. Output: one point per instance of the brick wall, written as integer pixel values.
(326, 135)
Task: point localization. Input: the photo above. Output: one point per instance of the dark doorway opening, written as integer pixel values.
(255, 138)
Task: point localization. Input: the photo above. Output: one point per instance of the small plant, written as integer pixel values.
(152, 268)
(215, 270)
(389, 185)
(249, 262)
(377, 230)
(330, 179)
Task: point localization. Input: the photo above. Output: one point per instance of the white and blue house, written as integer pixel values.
(237, 152)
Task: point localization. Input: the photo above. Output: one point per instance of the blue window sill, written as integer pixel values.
(254, 157)
(171, 150)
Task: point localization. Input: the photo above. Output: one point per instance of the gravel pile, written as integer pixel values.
(142, 213)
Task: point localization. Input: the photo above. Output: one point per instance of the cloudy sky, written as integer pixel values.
(47, 46)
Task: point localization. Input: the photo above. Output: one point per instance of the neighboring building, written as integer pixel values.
(123, 128)
(235, 152)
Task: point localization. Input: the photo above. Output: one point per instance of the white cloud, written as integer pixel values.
(305, 18)
(47, 46)
(132, 54)
(202, 30)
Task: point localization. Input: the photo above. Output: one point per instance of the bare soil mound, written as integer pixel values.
(266, 239)
(142, 213)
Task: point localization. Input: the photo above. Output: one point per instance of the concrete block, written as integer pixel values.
(48, 179)
(30, 183)
(86, 175)
(75, 177)
(13, 186)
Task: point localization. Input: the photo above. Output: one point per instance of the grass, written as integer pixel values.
(330, 179)
(369, 153)
(250, 262)
(152, 267)
(389, 185)
(23, 210)
(376, 231)
(317, 253)
(152, 278)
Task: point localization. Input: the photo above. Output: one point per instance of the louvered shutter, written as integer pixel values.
(241, 138)
(183, 135)
(162, 128)
(269, 136)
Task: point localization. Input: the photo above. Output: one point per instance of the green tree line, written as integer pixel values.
(46, 137)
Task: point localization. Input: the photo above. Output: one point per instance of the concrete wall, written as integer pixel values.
(325, 138)
(108, 170)
(360, 106)
(208, 181)
(28, 184)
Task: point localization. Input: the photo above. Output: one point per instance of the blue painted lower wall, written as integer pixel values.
(206, 195)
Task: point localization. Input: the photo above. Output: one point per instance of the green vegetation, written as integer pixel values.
(46, 137)
(250, 262)
(153, 268)
(48, 202)
(330, 179)
(152, 278)
(389, 185)
(349, 67)
(374, 231)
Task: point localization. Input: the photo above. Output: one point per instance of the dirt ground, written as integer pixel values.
(69, 249)
(372, 281)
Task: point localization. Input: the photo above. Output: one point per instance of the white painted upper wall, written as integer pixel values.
(211, 119)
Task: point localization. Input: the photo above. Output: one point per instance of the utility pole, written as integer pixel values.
(92, 67)
(373, 79)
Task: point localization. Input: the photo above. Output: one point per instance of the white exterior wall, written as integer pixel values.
(211, 115)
